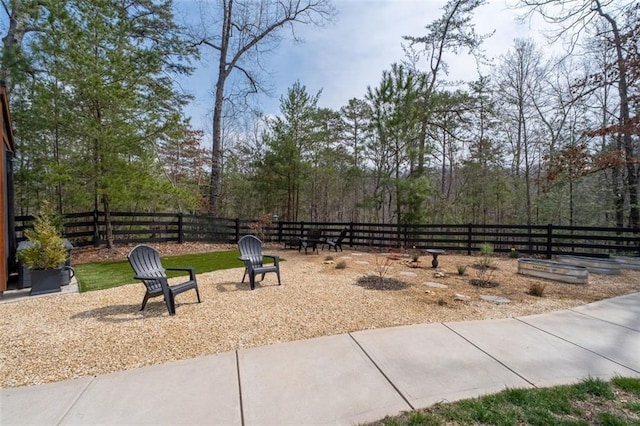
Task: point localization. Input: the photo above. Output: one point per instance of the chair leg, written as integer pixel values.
(278, 274)
(197, 293)
(244, 275)
(252, 281)
(171, 304)
(144, 301)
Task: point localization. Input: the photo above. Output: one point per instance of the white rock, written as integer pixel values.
(495, 299)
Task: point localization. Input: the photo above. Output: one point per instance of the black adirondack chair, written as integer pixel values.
(146, 264)
(337, 242)
(314, 237)
(252, 257)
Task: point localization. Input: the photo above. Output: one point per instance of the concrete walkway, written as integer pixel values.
(349, 378)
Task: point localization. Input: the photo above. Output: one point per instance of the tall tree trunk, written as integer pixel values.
(625, 122)
(107, 221)
(223, 73)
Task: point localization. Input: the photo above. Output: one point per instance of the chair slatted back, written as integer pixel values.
(251, 248)
(145, 261)
(342, 235)
(314, 234)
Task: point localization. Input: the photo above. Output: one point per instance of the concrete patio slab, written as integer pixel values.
(430, 364)
(196, 391)
(538, 357)
(615, 342)
(40, 405)
(622, 310)
(319, 381)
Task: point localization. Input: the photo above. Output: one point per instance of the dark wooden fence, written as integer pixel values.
(88, 229)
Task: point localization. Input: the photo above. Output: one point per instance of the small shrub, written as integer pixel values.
(383, 264)
(415, 254)
(486, 251)
(328, 258)
(537, 289)
(260, 225)
(341, 264)
(442, 302)
(46, 249)
(462, 269)
(513, 253)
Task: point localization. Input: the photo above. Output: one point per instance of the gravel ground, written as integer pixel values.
(61, 337)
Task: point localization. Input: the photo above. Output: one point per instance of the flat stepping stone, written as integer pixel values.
(495, 299)
(436, 285)
(361, 262)
(355, 253)
(409, 274)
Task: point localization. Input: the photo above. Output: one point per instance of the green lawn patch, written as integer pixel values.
(103, 275)
(591, 402)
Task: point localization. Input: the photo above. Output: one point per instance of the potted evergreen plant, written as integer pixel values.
(44, 254)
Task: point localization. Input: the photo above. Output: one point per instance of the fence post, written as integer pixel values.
(301, 229)
(237, 223)
(279, 232)
(96, 233)
(351, 234)
(469, 238)
(405, 231)
(180, 229)
(549, 240)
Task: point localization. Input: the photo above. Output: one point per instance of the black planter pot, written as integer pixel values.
(44, 281)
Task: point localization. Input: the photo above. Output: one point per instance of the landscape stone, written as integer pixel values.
(461, 297)
(436, 285)
(495, 299)
(408, 274)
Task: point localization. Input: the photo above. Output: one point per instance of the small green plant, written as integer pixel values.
(486, 250)
(513, 253)
(415, 254)
(341, 264)
(46, 249)
(462, 269)
(537, 289)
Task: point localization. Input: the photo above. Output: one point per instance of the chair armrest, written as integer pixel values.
(192, 271)
(149, 277)
(159, 274)
(276, 259)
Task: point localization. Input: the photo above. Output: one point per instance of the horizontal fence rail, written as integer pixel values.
(89, 229)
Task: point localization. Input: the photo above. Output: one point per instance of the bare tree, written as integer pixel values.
(519, 77)
(573, 17)
(249, 29)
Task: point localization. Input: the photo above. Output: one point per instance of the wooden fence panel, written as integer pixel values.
(88, 228)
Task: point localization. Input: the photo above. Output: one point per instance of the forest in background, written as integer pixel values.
(99, 123)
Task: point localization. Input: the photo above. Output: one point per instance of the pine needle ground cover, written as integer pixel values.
(103, 275)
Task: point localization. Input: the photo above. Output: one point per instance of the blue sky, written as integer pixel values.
(350, 54)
